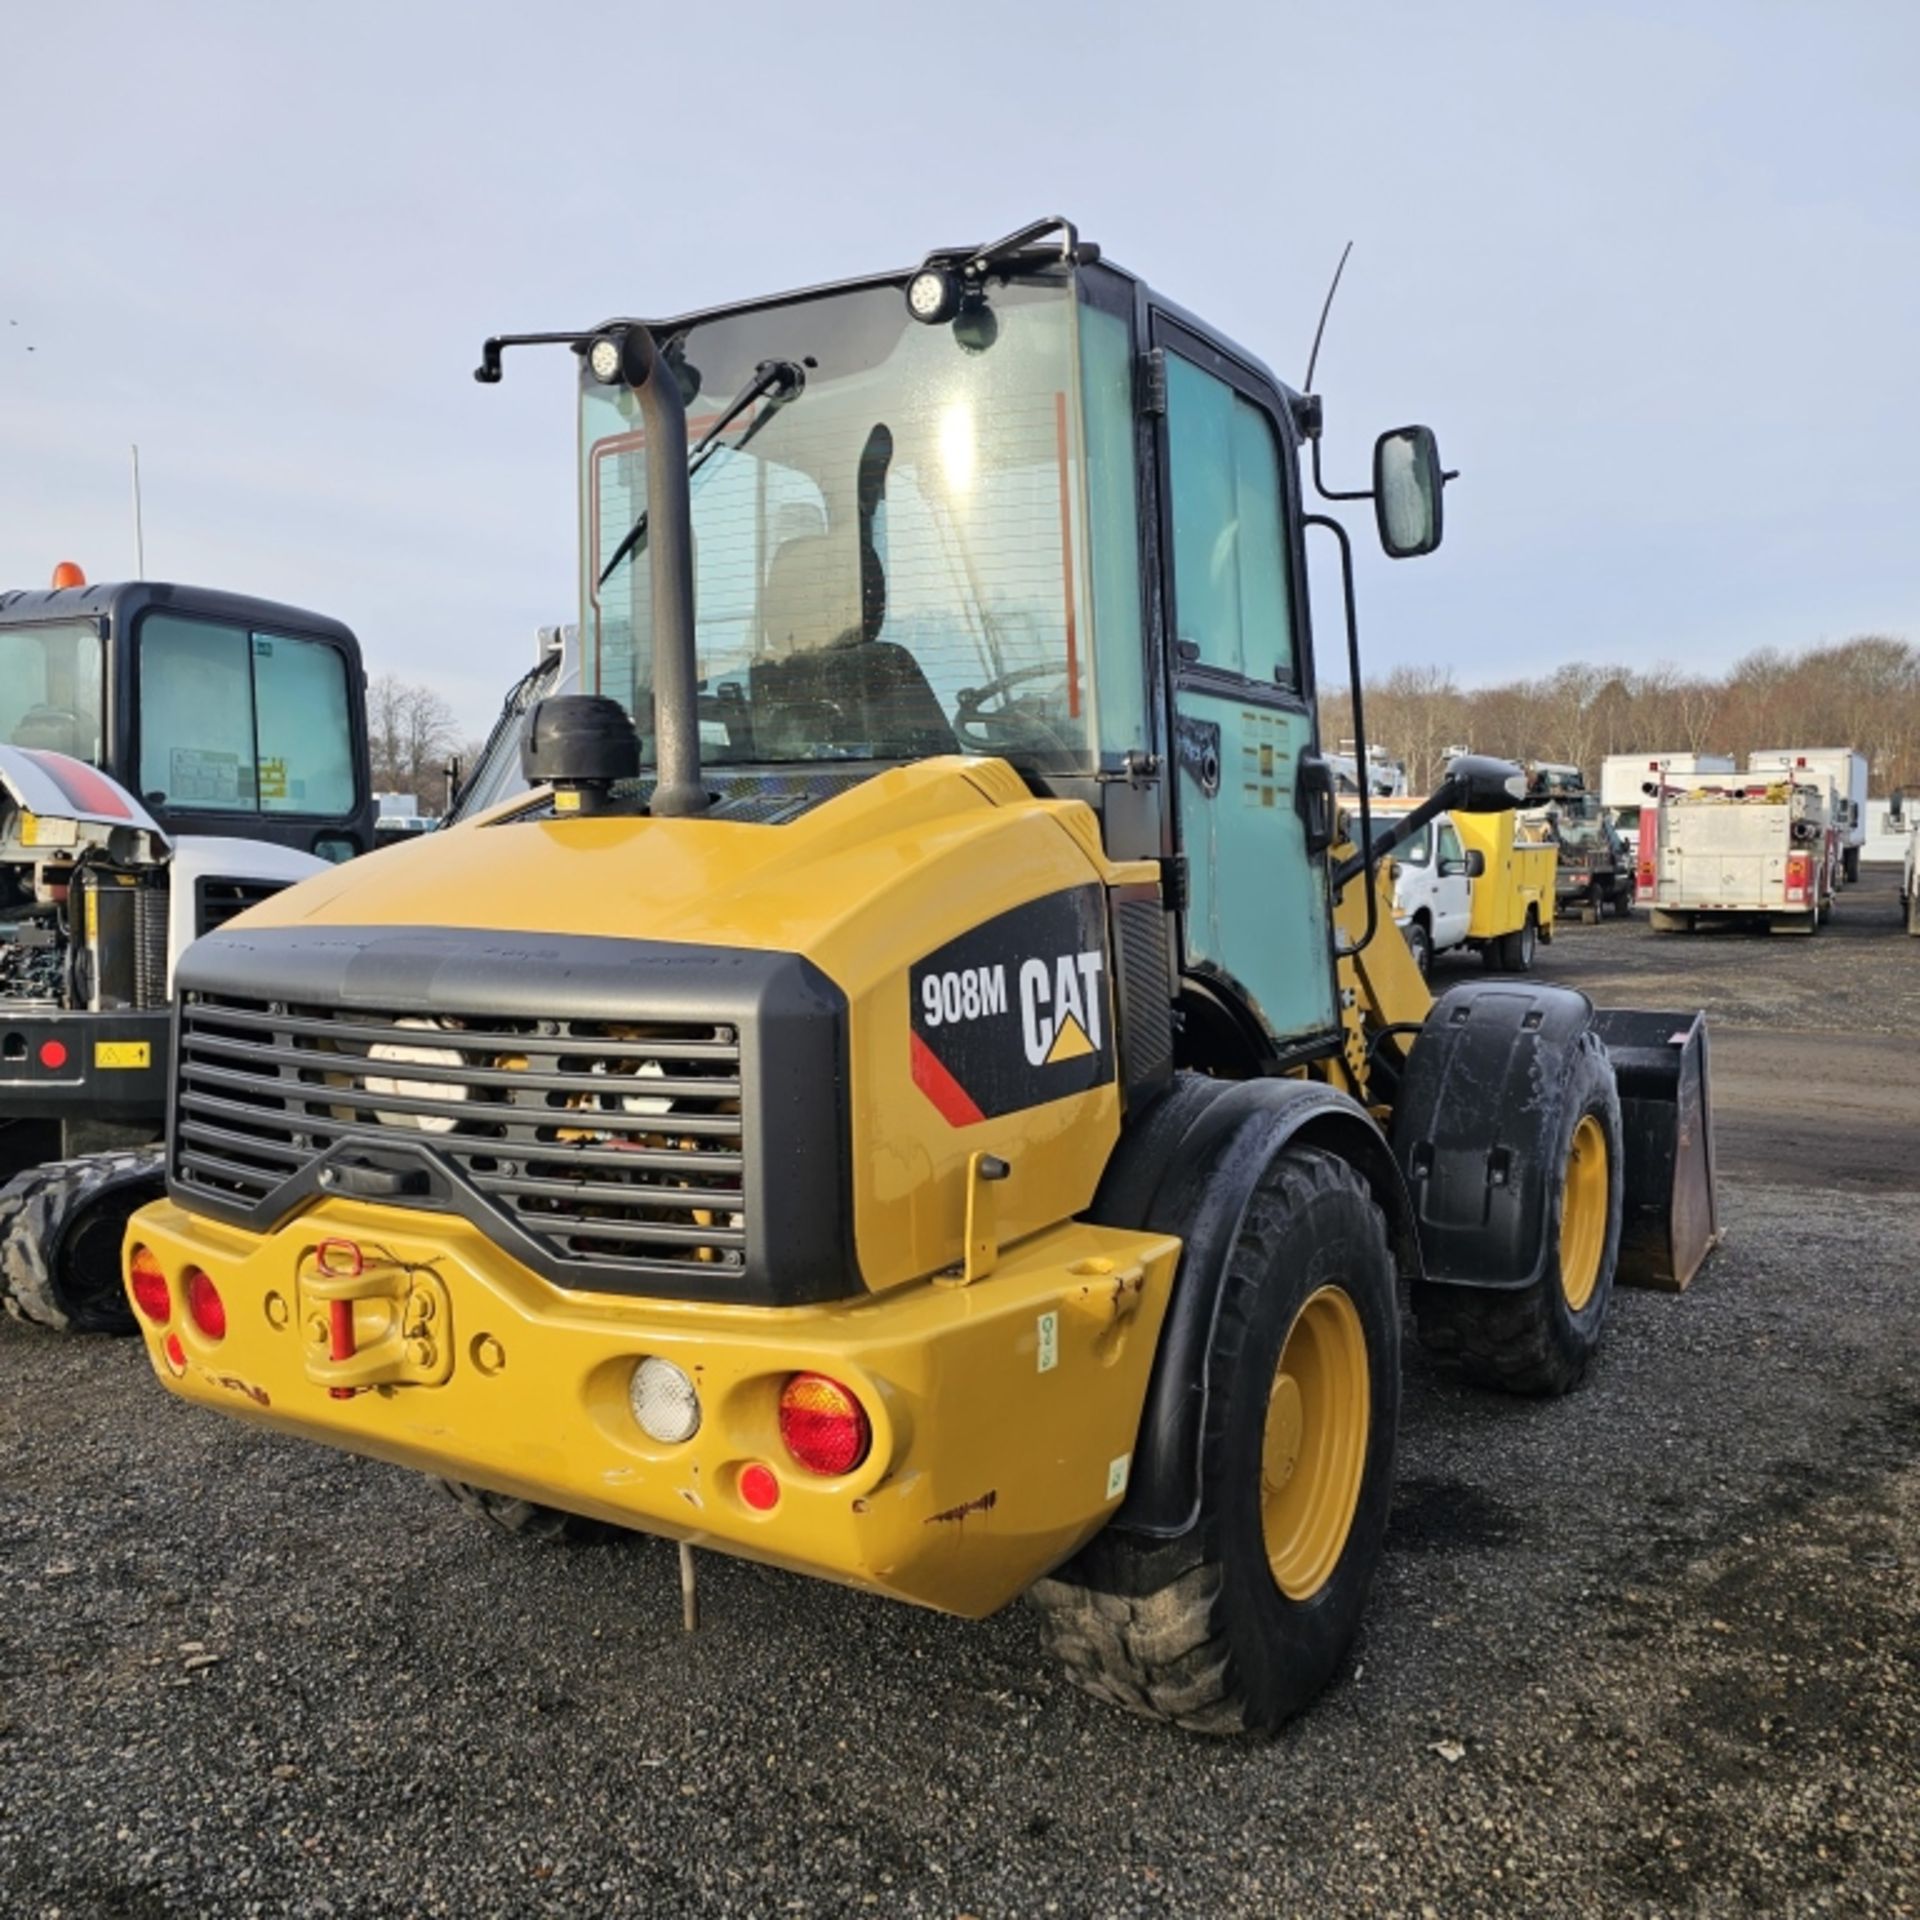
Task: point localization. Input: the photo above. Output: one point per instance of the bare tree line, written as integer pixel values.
(1863, 692)
(411, 735)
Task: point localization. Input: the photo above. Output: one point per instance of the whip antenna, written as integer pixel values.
(1313, 359)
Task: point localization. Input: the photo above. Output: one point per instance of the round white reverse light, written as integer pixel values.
(664, 1401)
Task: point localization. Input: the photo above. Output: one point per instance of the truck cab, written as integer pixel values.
(169, 755)
(1432, 888)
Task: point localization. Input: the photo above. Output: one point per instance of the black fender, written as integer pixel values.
(1188, 1166)
(1476, 1121)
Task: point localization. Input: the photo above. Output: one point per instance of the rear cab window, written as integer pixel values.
(237, 720)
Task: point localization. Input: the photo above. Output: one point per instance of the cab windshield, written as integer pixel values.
(50, 688)
(888, 564)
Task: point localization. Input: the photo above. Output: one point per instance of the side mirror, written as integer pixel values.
(1895, 803)
(1476, 863)
(1407, 488)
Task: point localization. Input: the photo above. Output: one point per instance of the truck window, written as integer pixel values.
(233, 721)
(1230, 579)
(1450, 849)
(50, 688)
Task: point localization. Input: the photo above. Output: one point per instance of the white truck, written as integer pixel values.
(1847, 768)
(1482, 882)
(1907, 816)
(1723, 847)
(1624, 778)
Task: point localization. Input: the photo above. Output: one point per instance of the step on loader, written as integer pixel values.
(924, 1092)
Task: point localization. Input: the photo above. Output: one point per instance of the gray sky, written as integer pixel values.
(1653, 271)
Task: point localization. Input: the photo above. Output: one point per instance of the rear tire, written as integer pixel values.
(61, 1228)
(1240, 1622)
(527, 1519)
(1623, 902)
(1541, 1339)
(1513, 952)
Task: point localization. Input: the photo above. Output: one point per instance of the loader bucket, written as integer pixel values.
(1670, 1221)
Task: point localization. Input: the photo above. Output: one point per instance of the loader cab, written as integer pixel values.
(1055, 520)
(226, 715)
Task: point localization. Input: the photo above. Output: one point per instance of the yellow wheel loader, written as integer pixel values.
(924, 1091)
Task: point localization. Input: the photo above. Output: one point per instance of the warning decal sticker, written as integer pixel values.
(1017, 1012)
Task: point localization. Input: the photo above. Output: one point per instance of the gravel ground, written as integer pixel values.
(1648, 1650)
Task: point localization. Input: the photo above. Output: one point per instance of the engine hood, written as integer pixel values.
(64, 803)
(894, 844)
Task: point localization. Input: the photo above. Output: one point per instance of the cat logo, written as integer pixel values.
(1060, 1007)
(1016, 1012)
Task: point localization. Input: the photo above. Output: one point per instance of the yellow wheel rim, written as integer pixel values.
(1583, 1213)
(1314, 1452)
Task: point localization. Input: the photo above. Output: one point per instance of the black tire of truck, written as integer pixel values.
(1420, 945)
(1623, 900)
(61, 1228)
(1513, 952)
(1199, 1630)
(1541, 1339)
(528, 1520)
(1850, 864)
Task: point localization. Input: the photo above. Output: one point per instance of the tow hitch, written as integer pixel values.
(369, 1320)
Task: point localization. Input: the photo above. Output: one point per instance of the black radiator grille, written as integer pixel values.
(220, 899)
(150, 946)
(610, 1143)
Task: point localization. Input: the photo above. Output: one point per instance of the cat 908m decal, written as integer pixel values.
(1017, 1012)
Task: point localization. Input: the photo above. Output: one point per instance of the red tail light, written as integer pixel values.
(825, 1428)
(148, 1285)
(758, 1488)
(204, 1305)
(1799, 868)
(176, 1353)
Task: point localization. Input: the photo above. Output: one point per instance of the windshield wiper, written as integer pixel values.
(775, 381)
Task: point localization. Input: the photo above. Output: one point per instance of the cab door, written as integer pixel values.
(1248, 774)
(1453, 895)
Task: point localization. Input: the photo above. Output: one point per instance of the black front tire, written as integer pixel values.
(1533, 1340)
(1420, 945)
(1197, 1630)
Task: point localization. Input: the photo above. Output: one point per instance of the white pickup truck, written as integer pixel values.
(1433, 891)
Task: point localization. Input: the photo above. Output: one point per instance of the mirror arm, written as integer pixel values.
(1345, 871)
(1319, 485)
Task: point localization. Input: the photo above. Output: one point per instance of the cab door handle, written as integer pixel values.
(1313, 800)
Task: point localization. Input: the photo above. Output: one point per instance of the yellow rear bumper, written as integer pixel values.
(1003, 1413)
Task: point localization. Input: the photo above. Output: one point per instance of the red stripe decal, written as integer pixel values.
(86, 789)
(954, 1101)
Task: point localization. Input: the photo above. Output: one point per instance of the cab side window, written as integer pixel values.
(1232, 594)
(1451, 853)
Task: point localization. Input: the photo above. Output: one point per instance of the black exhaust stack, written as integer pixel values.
(679, 790)
(579, 747)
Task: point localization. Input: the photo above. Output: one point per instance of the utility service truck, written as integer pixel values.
(1482, 883)
(926, 1092)
(1847, 770)
(169, 755)
(1734, 847)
